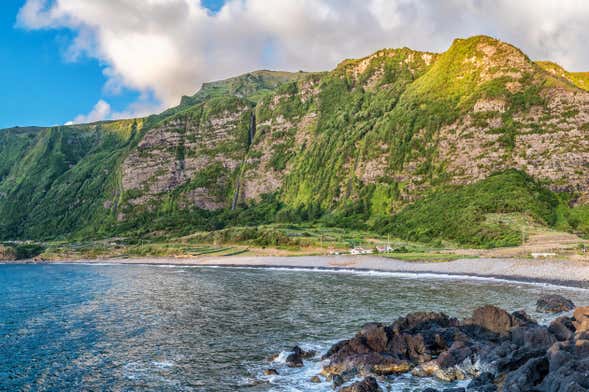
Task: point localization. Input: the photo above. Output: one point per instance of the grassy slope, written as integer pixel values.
(58, 184)
(460, 213)
(579, 79)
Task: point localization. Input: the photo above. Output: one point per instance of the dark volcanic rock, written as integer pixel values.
(484, 382)
(493, 319)
(369, 384)
(302, 353)
(375, 336)
(562, 328)
(527, 377)
(536, 336)
(554, 303)
(294, 360)
(337, 381)
(523, 355)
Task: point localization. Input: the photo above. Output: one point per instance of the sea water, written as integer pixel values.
(147, 328)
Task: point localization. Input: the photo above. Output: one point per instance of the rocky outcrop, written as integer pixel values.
(369, 384)
(554, 303)
(496, 349)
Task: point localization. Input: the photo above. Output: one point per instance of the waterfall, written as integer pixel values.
(250, 141)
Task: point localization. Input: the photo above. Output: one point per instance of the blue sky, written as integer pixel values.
(39, 87)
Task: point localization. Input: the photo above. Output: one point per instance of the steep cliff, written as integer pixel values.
(364, 140)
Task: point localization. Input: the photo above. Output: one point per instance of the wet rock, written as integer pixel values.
(522, 318)
(484, 382)
(433, 369)
(302, 353)
(454, 390)
(315, 380)
(562, 328)
(294, 360)
(527, 377)
(554, 303)
(366, 363)
(455, 355)
(337, 381)
(369, 384)
(270, 372)
(430, 390)
(523, 354)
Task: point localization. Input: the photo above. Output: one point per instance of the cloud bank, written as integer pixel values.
(168, 48)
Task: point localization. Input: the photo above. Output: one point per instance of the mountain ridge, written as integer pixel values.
(366, 139)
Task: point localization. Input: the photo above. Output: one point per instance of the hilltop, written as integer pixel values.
(400, 142)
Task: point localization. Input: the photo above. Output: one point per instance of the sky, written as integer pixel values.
(64, 61)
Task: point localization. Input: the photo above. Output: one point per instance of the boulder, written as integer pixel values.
(407, 346)
(527, 377)
(572, 376)
(455, 355)
(581, 316)
(270, 372)
(375, 336)
(562, 328)
(369, 384)
(315, 380)
(302, 353)
(554, 303)
(294, 360)
(526, 356)
(484, 382)
(535, 335)
(423, 320)
(492, 319)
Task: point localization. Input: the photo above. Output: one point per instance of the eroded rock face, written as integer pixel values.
(197, 155)
(520, 354)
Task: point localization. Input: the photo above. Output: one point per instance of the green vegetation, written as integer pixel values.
(464, 214)
(579, 79)
(342, 157)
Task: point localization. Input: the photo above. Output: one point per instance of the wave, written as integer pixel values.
(402, 275)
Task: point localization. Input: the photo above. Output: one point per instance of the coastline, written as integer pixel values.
(557, 272)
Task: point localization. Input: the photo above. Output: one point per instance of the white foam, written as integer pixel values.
(403, 275)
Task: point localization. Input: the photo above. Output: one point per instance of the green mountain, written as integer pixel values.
(400, 141)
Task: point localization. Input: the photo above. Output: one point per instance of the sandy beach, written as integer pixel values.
(565, 272)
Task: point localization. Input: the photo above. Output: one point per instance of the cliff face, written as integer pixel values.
(377, 132)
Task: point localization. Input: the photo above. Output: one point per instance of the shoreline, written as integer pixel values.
(554, 272)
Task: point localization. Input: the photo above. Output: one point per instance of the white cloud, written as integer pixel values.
(100, 111)
(169, 47)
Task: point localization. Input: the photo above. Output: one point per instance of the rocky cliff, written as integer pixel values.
(375, 133)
